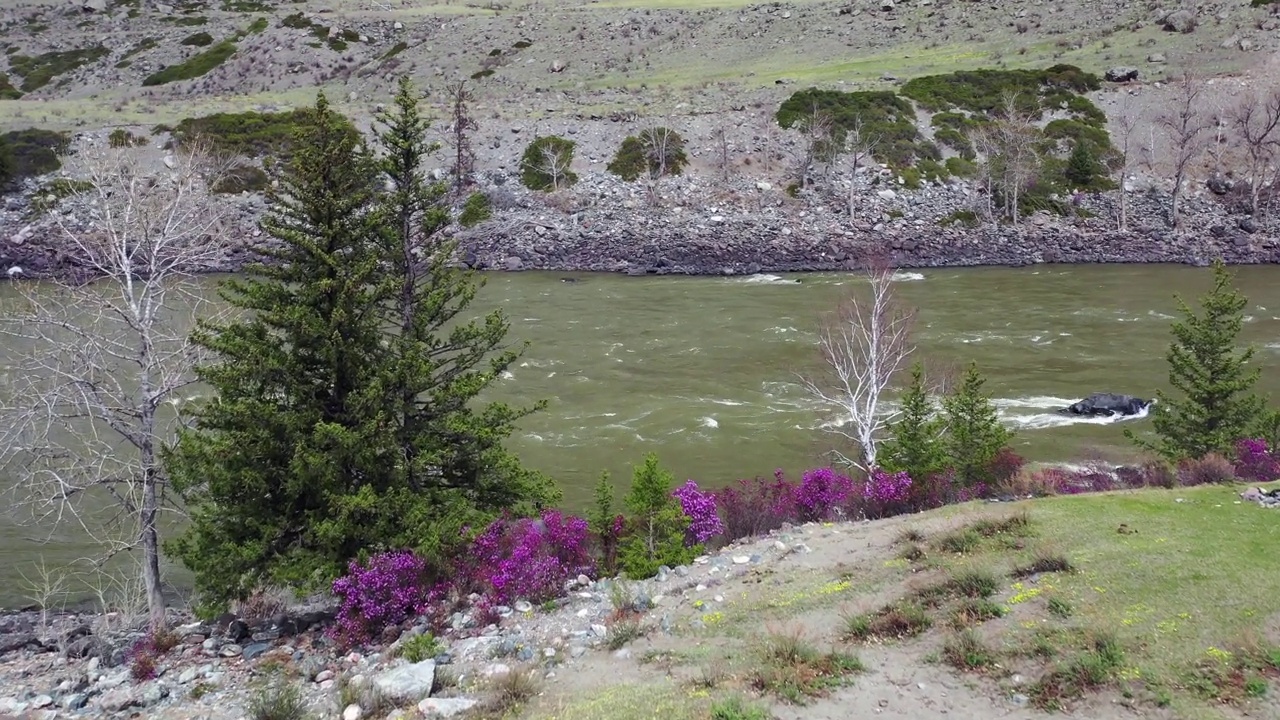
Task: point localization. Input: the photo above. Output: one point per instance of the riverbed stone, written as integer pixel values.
(407, 683)
(445, 707)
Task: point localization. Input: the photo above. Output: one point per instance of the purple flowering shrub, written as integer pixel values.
(387, 590)
(754, 507)
(700, 508)
(1255, 462)
(1212, 468)
(822, 491)
(530, 558)
(885, 493)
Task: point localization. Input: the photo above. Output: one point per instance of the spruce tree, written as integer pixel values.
(449, 448)
(974, 433)
(914, 444)
(658, 524)
(1082, 168)
(296, 422)
(1214, 405)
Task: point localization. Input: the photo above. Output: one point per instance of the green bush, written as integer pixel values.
(395, 50)
(7, 90)
(249, 134)
(910, 178)
(546, 164)
(123, 138)
(961, 167)
(187, 21)
(51, 193)
(257, 26)
(475, 210)
(34, 152)
(932, 170)
(657, 524)
(983, 91)
(40, 70)
(195, 66)
(200, 39)
(654, 151)
(967, 218)
(144, 45)
(421, 647)
(522, 44)
(8, 165)
(882, 114)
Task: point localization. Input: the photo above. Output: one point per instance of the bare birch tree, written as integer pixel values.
(556, 165)
(1126, 123)
(1184, 127)
(816, 129)
(97, 369)
(859, 144)
(865, 342)
(1256, 120)
(720, 138)
(769, 137)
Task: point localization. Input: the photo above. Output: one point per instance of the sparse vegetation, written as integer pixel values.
(41, 70)
(966, 651)
(35, 152)
(249, 134)
(200, 39)
(794, 670)
(243, 177)
(899, 620)
(7, 90)
(973, 611)
(278, 700)
(195, 66)
(475, 210)
(510, 690)
(124, 138)
(420, 647)
(1087, 671)
(1044, 562)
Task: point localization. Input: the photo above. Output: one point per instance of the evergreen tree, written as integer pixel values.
(658, 524)
(915, 442)
(974, 433)
(296, 422)
(450, 454)
(1215, 406)
(1082, 167)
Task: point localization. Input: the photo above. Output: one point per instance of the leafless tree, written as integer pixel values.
(1016, 155)
(859, 144)
(720, 138)
(1184, 127)
(1126, 124)
(865, 342)
(97, 369)
(818, 148)
(464, 161)
(664, 155)
(556, 165)
(1256, 120)
(769, 137)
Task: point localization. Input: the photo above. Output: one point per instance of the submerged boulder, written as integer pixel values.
(1109, 404)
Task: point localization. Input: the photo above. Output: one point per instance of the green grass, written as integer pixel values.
(629, 701)
(143, 45)
(7, 90)
(793, 669)
(41, 70)
(1198, 574)
(195, 66)
(200, 39)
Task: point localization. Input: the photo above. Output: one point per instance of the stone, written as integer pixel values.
(75, 701)
(324, 675)
(230, 651)
(557, 66)
(495, 669)
(16, 641)
(1121, 74)
(741, 559)
(445, 707)
(599, 630)
(887, 194)
(170, 162)
(117, 699)
(397, 25)
(1182, 21)
(255, 650)
(94, 5)
(886, 5)
(407, 683)
(41, 701)
(352, 712)
(154, 693)
(1156, 58)
(187, 676)
(523, 606)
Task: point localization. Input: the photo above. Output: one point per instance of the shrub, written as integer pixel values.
(120, 138)
(387, 590)
(754, 507)
(700, 508)
(897, 621)
(1255, 462)
(278, 701)
(142, 659)
(530, 558)
(475, 210)
(655, 152)
(241, 178)
(421, 647)
(880, 113)
(821, 492)
(35, 152)
(967, 218)
(40, 70)
(1212, 468)
(195, 66)
(735, 708)
(962, 167)
(885, 493)
(200, 39)
(251, 134)
(966, 651)
(606, 525)
(657, 527)
(7, 90)
(547, 162)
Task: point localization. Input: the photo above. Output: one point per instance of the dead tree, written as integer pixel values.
(1126, 124)
(664, 155)
(556, 165)
(720, 138)
(96, 370)
(1256, 120)
(859, 144)
(817, 130)
(1184, 127)
(769, 139)
(865, 342)
(460, 134)
(1015, 140)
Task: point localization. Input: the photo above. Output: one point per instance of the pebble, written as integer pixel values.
(352, 712)
(741, 559)
(324, 675)
(523, 606)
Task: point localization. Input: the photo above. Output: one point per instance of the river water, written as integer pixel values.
(703, 371)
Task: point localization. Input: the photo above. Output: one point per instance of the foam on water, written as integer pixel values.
(1012, 411)
(506, 375)
(765, 279)
(907, 276)
(709, 422)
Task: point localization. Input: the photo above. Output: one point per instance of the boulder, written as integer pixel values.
(1183, 21)
(94, 5)
(408, 683)
(1109, 404)
(445, 707)
(1122, 74)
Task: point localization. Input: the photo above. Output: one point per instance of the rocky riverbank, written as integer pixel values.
(696, 227)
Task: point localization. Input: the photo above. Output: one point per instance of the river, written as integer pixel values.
(702, 370)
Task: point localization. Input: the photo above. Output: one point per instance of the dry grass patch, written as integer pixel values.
(891, 622)
(966, 651)
(508, 692)
(966, 584)
(974, 611)
(1045, 561)
(1236, 673)
(793, 669)
(1086, 672)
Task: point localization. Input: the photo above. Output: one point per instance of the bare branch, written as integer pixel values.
(1184, 127)
(1256, 119)
(98, 370)
(865, 343)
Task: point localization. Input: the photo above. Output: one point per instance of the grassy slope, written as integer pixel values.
(1192, 570)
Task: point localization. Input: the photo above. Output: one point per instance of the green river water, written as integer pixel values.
(703, 371)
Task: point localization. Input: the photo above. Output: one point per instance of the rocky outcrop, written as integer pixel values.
(606, 225)
(1109, 404)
